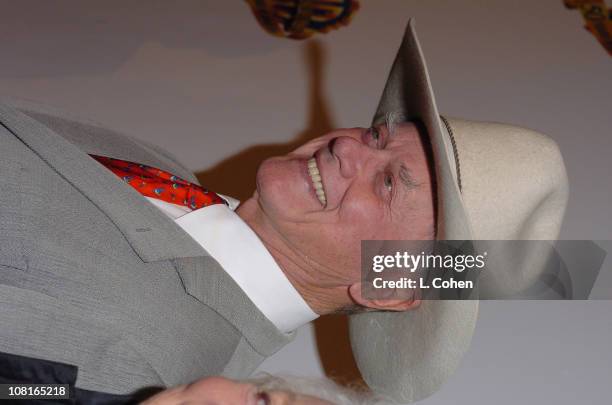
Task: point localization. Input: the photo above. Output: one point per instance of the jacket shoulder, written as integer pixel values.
(98, 139)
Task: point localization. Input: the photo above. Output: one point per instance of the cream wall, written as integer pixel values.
(201, 79)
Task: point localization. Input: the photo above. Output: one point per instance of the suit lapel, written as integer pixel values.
(152, 235)
(205, 280)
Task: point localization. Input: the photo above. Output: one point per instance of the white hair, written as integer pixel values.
(321, 388)
(393, 119)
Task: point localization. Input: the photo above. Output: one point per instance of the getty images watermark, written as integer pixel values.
(480, 269)
(423, 262)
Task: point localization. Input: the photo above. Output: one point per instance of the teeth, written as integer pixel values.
(315, 176)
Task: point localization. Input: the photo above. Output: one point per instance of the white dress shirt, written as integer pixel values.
(238, 249)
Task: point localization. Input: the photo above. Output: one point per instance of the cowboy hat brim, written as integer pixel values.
(408, 355)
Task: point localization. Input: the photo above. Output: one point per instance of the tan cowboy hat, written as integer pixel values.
(494, 181)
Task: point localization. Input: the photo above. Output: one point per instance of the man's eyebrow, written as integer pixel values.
(406, 178)
(390, 123)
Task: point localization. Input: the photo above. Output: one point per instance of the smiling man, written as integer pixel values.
(120, 274)
(313, 207)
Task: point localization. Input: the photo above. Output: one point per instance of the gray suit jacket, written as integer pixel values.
(93, 275)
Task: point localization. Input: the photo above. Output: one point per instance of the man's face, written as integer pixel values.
(375, 185)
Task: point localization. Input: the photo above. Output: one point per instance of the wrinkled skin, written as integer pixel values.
(378, 186)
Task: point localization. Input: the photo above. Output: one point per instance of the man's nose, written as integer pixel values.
(350, 153)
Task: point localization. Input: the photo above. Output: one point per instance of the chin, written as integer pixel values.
(279, 187)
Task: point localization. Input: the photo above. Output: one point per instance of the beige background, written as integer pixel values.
(203, 80)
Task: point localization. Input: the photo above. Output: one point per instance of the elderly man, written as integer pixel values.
(119, 273)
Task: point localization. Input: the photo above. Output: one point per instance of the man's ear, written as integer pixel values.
(383, 304)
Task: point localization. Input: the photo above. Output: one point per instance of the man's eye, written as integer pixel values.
(389, 182)
(376, 136)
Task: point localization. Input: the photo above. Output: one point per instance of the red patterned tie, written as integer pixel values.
(156, 183)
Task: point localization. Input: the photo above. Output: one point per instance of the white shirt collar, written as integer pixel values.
(238, 249)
